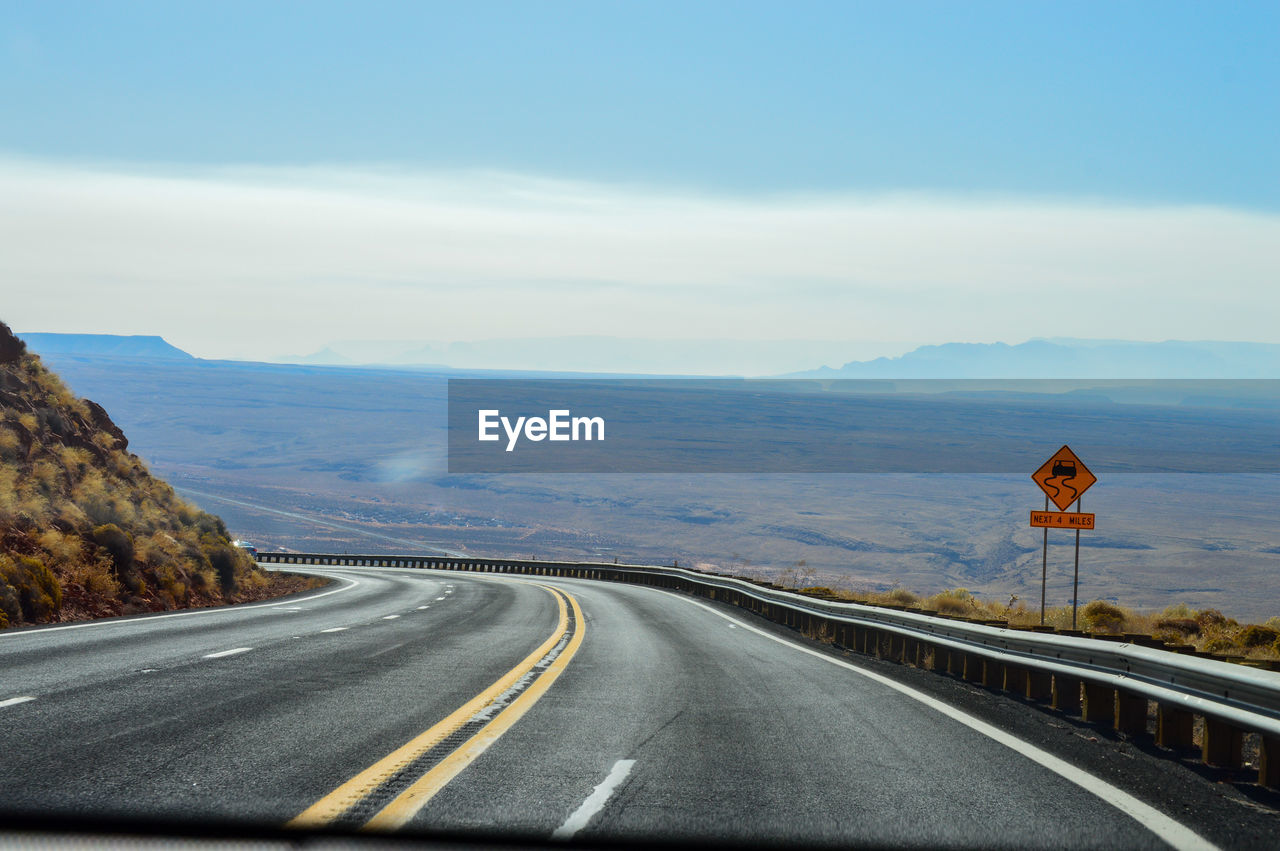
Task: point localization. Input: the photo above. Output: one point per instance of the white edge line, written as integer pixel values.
(595, 801)
(212, 611)
(14, 701)
(1170, 831)
(231, 652)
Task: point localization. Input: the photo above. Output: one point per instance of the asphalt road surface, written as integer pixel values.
(425, 701)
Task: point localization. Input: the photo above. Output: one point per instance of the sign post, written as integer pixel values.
(1075, 581)
(1044, 560)
(1064, 478)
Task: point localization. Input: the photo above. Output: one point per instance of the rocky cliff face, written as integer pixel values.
(85, 529)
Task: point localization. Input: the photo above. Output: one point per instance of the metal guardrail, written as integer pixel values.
(1110, 682)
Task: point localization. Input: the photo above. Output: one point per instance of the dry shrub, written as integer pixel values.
(10, 605)
(1101, 616)
(1184, 627)
(202, 580)
(956, 601)
(37, 590)
(901, 596)
(10, 444)
(1258, 636)
(62, 550)
(253, 580)
(70, 515)
(96, 577)
(1211, 618)
(118, 545)
(47, 477)
(75, 459)
(1220, 643)
(135, 584)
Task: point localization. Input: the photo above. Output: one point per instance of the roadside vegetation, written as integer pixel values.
(1179, 626)
(85, 530)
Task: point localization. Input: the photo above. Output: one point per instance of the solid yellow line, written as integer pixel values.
(409, 802)
(334, 804)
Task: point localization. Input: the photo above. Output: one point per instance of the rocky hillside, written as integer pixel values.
(85, 530)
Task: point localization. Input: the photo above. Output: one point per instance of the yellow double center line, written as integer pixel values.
(408, 801)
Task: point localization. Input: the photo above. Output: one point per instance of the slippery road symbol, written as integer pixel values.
(1063, 474)
(1063, 478)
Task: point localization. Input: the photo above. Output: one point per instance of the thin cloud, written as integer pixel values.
(254, 262)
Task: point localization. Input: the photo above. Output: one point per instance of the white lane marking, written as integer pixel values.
(144, 620)
(390, 617)
(438, 599)
(595, 801)
(1171, 832)
(231, 652)
(14, 701)
(420, 608)
(334, 629)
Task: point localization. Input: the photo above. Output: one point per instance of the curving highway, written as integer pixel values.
(436, 702)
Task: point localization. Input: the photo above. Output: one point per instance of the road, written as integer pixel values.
(434, 701)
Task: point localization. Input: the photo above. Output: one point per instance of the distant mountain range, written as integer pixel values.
(105, 345)
(598, 353)
(1038, 358)
(1070, 358)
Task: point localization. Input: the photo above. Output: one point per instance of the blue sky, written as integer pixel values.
(1152, 101)
(725, 112)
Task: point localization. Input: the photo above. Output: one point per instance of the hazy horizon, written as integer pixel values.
(1039, 357)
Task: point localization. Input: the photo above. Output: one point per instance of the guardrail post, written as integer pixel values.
(1015, 679)
(973, 665)
(1222, 744)
(992, 674)
(1066, 694)
(911, 652)
(1099, 704)
(897, 649)
(1269, 763)
(1131, 713)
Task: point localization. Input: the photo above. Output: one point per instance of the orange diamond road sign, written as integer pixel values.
(1064, 477)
